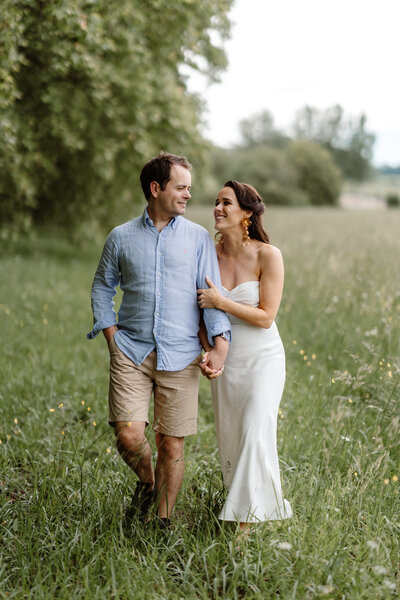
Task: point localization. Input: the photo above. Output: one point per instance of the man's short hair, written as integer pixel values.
(158, 169)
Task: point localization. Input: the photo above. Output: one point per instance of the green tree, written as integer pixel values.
(317, 175)
(89, 89)
(347, 139)
(260, 129)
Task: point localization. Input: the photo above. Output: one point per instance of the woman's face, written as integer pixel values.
(227, 211)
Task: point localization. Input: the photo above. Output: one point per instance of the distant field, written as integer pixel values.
(63, 488)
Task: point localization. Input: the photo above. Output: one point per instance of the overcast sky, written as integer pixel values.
(284, 54)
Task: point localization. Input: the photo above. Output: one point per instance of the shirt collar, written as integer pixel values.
(147, 222)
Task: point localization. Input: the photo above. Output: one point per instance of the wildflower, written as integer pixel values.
(305, 357)
(395, 478)
(294, 342)
(379, 570)
(45, 321)
(372, 544)
(308, 364)
(94, 423)
(88, 408)
(8, 437)
(355, 474)
(313, 356)
(60, 405)
(284, 546)
(82, 402)
(350, 400)
(390, 585)
(389, 373)
(0, 442)
(302, 352)
(386, 481)
(108, 450)
(388, 365)
(52, 409)
(332, 380)
(62, 433)
(15, 420)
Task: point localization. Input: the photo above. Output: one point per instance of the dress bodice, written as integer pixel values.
(247, 293)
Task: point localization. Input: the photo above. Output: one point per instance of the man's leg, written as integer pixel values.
(169, 472)
(135, 450)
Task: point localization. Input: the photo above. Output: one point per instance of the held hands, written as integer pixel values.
(207, 369)
(209, 298)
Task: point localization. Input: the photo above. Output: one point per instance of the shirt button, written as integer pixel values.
(158, 314)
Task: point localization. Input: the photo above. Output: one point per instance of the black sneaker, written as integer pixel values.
(141, 501)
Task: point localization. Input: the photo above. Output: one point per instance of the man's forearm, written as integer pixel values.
(109, 332)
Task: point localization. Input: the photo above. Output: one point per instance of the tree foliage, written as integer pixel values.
(284, 171)
(89, 90)
(346, 138)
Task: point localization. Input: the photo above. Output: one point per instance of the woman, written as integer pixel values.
(246, 396)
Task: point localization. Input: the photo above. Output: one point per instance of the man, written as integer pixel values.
(159, 260)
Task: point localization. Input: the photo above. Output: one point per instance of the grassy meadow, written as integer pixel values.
(64, 489)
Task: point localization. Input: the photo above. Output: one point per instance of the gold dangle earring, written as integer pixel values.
(219, 237)
(245, 225)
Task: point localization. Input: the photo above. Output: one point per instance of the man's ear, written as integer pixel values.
(154, 188)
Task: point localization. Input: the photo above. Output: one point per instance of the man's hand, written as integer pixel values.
(207, 371)
(109, 333)
(212, 364)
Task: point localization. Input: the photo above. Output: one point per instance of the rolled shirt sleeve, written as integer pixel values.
(215, 320)
(105, 282)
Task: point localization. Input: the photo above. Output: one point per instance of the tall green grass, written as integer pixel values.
(63, 487)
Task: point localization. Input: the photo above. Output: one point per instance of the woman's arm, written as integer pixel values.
(202, 333)
(271, 287)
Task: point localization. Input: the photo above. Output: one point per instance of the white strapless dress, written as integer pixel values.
(246, 400)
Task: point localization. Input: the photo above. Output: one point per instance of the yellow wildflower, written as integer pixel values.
(94, 423)
(294, 342)
(88, 408)
(52, 409)
(355, 474)
(390, 373)
(301, 351)
(332, 380)
(314, 356)
(395, 478)
(15, 420)
(386, 481)
(82, 402)
(62, 433)
(108, 450)
(350, 400)
(60, 405)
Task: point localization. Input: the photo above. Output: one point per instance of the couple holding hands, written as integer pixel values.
(181, 293)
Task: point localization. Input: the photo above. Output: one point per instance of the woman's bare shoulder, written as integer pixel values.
(268, 253)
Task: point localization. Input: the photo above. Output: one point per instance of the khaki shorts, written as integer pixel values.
(175, 393)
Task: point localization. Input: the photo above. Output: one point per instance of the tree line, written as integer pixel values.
(307, 167)
(90, 89)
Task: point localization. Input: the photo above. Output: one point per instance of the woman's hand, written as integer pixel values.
(209, 298)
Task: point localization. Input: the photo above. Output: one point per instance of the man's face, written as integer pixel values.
(172, 200)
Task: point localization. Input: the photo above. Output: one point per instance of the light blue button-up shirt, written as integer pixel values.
(159, 273)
